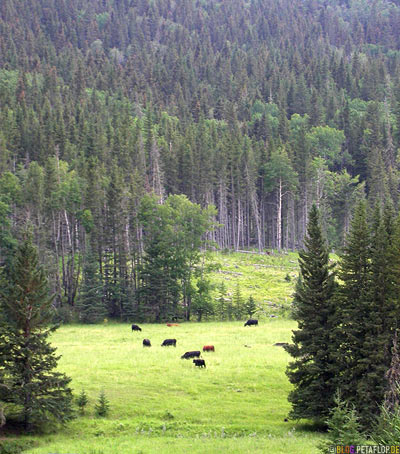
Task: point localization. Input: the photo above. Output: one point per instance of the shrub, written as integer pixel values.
(13, 446)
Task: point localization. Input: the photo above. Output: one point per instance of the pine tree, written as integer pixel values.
(250, 306)
(238, 303)
(221, 305)
(380, 320)
(42, 393)
(82, 401)
(353, 305)
(313, 370)
(90, 302)
(103, 405)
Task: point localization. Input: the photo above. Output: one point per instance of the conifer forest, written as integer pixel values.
(133, 128)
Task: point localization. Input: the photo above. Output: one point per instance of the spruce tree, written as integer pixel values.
(313, 370)
(238, 303)
(368, 311)
(221, 305)
(41, 393)
(82, 401)
(90, 303)
(103, 405)
(380, 320)
(250, 306)
(353, 306)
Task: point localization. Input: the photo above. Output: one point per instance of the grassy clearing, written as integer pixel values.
(160, 402)
(261, 276)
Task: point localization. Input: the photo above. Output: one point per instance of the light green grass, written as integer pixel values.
(260, 276)
(163, 404)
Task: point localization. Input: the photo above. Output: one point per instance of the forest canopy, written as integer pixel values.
(259, 108)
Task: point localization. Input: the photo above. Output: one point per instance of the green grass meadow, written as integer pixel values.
(161, 403)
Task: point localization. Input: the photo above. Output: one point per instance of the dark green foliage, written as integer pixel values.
(162, 99)
(368, 312)
(202, 300)
(380, 320)
(174, 233)
(40, 394)
(90, 302)
(82, 400)
(102, 407)
(314, 369)
(354, 306)
(14, 446)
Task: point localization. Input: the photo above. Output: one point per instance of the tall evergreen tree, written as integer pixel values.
(354, 306)
(41, 393)
(313, 370)
(380, 320)
(90, 302)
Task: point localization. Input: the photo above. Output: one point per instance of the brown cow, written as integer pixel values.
(209, 348)
(172, 324)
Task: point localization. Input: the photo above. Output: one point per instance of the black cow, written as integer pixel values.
(188, 355)
(136, 328)
(168, 342)
(199, 362)
(251, 322)
(146, 343)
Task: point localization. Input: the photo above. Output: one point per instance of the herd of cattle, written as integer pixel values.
(192, 354)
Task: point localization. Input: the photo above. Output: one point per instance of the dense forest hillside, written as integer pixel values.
(258, 107)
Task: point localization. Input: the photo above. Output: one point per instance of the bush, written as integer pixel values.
(14, 446)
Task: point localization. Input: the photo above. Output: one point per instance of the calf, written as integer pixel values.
(168, 342)
(251, 322)
(136, 328)
(146, 343)
(208, 348)
(199, 362)
(188, 355)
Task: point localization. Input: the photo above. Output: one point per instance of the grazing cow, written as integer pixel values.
(199, 362)
(251, 322)
(208, 348)
(188, 355)
(146, 343)
(136, 328)
(172, 324)
(168, 342)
